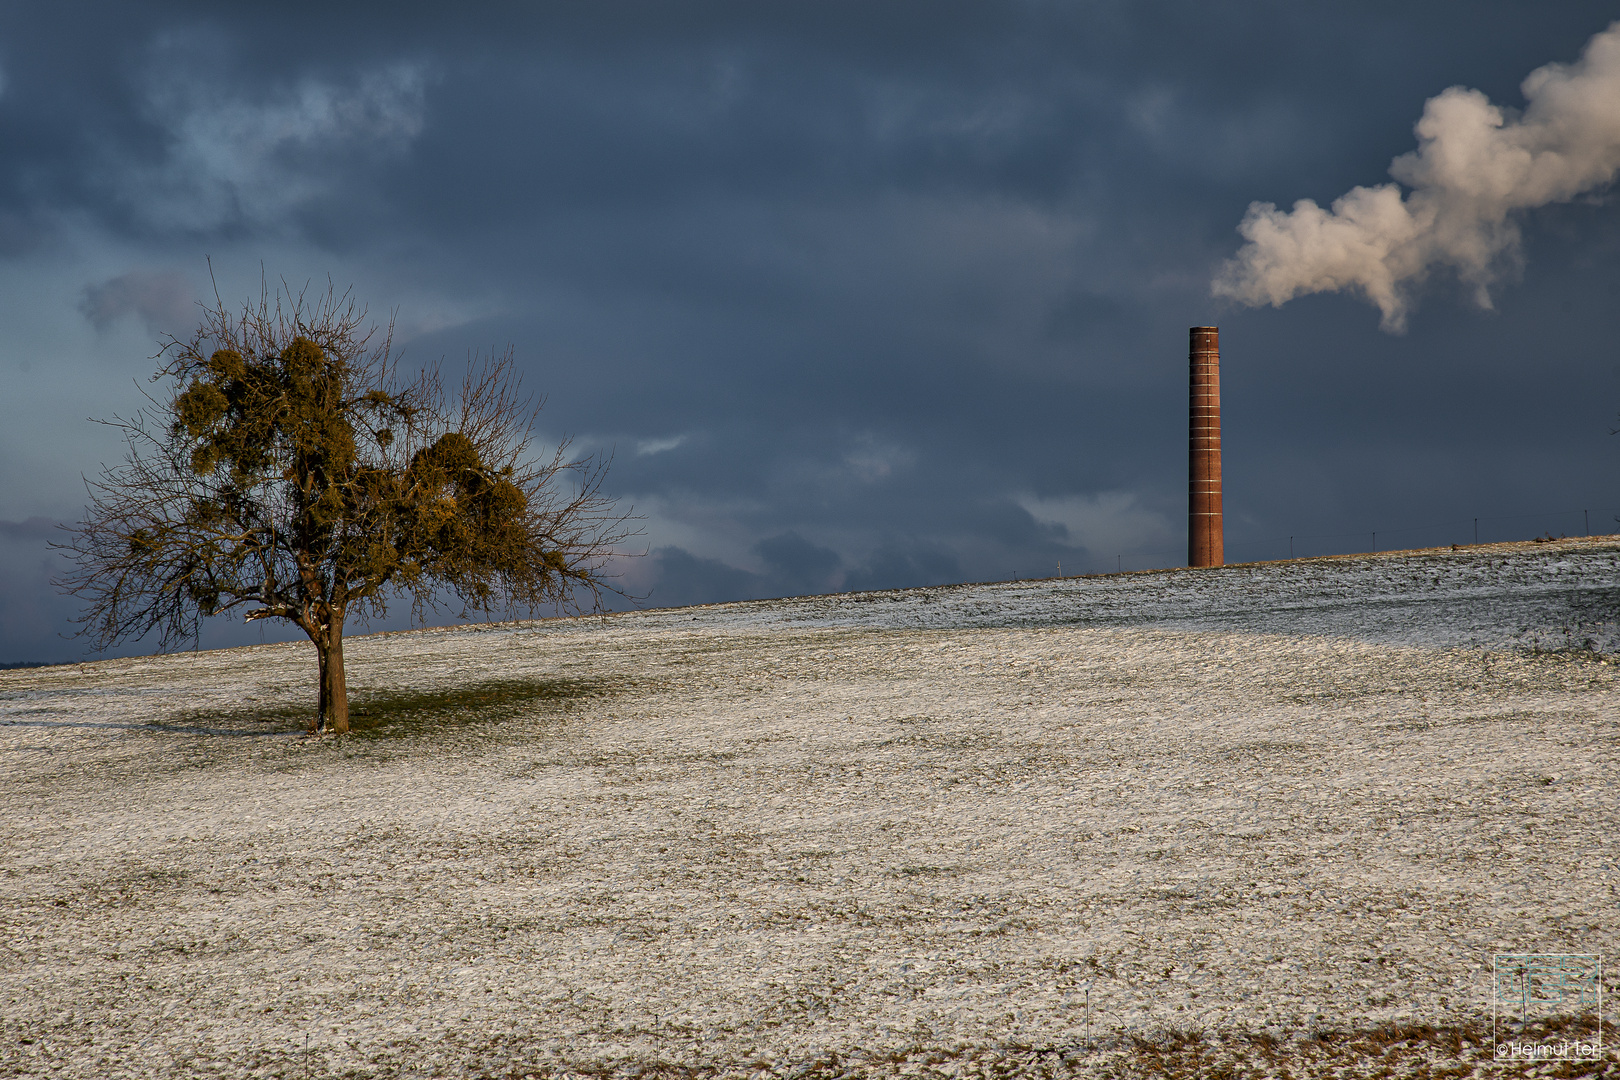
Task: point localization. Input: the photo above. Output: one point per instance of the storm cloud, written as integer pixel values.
(855, 295)
(163, 299)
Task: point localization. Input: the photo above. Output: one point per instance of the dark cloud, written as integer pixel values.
(861, 295)
(164, 300)
(682, 579)
(794, 566)
(35, 619)
(34, 528)
(20, 234)
(798, 567)
(916, 563)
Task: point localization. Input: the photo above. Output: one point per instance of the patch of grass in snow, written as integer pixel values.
(1398, 1049)
(927, 871)
(405, 712)
(251, 719)
(408, 712)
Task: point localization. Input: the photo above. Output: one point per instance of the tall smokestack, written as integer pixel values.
(1205, 546)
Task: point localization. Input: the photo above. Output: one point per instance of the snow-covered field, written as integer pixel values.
(1167, 822)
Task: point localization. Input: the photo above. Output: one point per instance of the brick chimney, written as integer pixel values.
(1205, 546)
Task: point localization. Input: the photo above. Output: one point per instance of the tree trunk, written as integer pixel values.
(319, 723)
(334, 688)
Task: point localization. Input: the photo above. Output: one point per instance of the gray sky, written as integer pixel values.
(858, 295)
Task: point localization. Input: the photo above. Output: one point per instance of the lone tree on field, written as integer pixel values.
(291, 472)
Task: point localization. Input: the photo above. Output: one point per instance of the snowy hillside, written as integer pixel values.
(1096, 826)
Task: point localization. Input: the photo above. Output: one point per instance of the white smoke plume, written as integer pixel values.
(1475, 167)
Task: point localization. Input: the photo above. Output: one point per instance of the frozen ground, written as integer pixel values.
(906, 833)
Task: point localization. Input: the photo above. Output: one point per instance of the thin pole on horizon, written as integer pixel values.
(1290, 547)
(1476, 532)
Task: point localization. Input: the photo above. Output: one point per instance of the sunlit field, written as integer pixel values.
(1274, 818)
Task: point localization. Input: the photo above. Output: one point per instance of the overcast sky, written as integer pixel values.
(858, 294)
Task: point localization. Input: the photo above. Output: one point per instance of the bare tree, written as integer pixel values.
(291, 473)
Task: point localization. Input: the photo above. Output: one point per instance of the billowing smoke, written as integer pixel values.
(1475, 167)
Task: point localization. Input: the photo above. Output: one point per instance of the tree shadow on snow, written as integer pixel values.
(398, 713)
